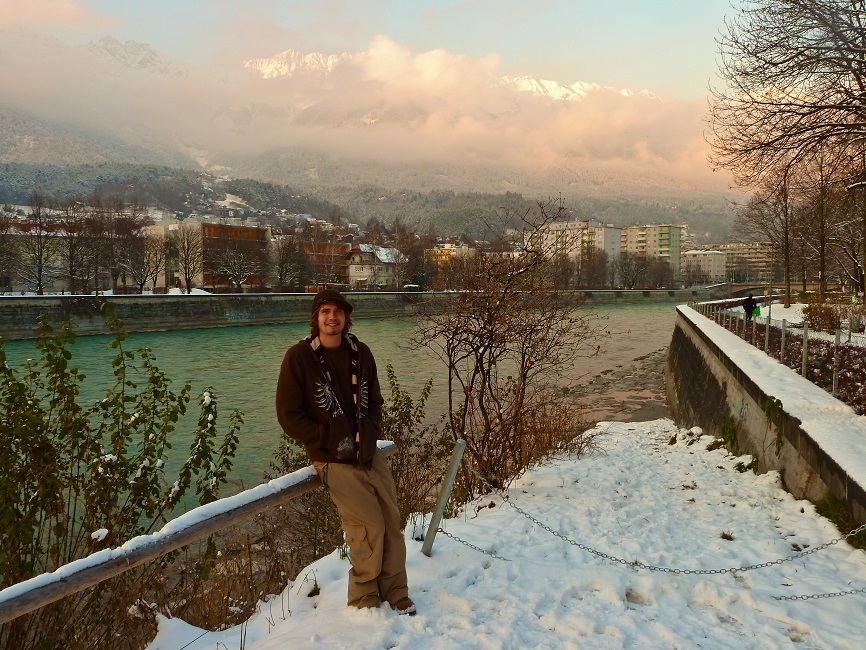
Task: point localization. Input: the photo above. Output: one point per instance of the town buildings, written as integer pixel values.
(214, 256)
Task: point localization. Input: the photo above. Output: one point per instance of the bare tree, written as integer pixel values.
(793, 82)
(39, 246)
(694, 274)
(9, 240)
(505, 339)
(242, 260)
(145, 259)
(659, 273)
(769, 216)
(793, 78)
(186, 245)
(325, 254)
(847, 241)
(77, 259)
(593, 268)
(817, 184)
(631, 269)
(289, 266)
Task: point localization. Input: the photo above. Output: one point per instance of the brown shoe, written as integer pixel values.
(404, 606)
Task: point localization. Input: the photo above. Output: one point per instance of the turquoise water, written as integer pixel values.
(242, 364)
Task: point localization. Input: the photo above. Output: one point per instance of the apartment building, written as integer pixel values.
(747, 261)
(571, 238)
(443, 254)
(702, 266)
(663, 241)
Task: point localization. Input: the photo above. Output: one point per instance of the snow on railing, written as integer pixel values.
(200, 522)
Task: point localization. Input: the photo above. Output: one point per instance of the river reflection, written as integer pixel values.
(242, 364)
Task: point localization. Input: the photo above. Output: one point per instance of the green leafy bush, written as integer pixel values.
(76, 479)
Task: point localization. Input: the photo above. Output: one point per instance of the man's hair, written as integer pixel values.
(314, 319)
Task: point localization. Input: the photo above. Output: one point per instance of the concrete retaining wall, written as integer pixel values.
(705, 387)
(18, 315)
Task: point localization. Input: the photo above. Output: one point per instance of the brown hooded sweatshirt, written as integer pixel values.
(310, 412)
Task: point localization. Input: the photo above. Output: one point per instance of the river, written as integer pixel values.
(242, 364)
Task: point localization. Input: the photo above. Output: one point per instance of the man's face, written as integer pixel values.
(332, 319)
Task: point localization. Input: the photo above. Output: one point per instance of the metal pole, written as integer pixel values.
(782, 351)
(767, 330)
(836, 361)
(805, 348)
(444, 493)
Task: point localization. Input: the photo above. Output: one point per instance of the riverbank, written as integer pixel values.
(630, 392)
(19, 314)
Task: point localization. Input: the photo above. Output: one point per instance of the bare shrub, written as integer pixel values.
(506, 339)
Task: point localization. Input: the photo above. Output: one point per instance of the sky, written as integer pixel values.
(665, 45)
(428, 74)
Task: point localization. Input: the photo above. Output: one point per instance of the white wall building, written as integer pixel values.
(571, 238)
(375, 267)
(702, 265)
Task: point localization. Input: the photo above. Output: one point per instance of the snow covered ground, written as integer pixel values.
(639, 497)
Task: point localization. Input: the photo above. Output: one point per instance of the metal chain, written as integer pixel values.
(471, 545)
(676, 571)
(816, 596)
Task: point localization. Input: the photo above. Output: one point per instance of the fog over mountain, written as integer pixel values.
(373, 112)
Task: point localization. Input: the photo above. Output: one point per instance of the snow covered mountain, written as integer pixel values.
(135, 55)
(292, 62)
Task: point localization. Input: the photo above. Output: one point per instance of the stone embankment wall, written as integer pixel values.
(707, 388)
(18, 315)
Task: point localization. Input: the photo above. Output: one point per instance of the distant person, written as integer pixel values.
(328, 399)
(749, 305)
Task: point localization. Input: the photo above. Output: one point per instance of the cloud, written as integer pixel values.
(433, 72)
(68, 14)
(388, 105)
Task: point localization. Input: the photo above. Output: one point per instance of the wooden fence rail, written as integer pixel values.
(200, 522)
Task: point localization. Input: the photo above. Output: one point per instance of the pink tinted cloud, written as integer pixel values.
(68, 14)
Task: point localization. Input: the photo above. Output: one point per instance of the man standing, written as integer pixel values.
(749, 305)
(328, 399)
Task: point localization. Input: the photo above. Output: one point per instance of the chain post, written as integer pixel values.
(444, 493)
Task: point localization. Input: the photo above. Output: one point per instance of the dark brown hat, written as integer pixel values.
(331, 295)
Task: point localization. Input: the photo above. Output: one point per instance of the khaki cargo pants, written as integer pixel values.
(367, 503)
